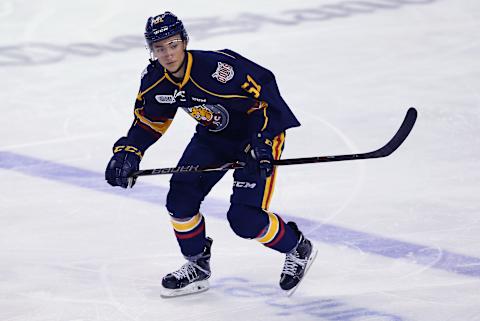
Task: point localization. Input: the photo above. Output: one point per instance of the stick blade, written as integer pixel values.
(399, 137)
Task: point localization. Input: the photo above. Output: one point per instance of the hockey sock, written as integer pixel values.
(190, 233)
(278, 235)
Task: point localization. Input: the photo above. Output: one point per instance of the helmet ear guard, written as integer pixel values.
(164, 26)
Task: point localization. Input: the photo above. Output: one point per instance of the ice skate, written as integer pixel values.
(191, 278)
(297, 262)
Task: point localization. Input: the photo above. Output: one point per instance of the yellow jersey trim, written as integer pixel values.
(186, 77)
(142, 93)
(266, 119)
(214, 94)
(223, 53)
(159, 127)
(270, 183)
(261, 105)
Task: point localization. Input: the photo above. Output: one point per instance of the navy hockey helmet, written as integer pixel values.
(163, 26)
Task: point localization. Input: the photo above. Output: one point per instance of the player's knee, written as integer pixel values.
(183, 201)
(246, 221)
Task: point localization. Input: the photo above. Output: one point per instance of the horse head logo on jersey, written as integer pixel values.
(214, 117)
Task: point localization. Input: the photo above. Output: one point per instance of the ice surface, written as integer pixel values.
(398, 238)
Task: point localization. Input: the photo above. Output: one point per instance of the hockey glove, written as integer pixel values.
(125, 161)
(261, 154)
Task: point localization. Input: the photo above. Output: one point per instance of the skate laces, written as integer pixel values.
(292, 261)
(188, 270)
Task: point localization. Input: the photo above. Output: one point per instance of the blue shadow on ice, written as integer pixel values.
(326, 233)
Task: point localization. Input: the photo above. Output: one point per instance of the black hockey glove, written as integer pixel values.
(125, 161)
(261, 154)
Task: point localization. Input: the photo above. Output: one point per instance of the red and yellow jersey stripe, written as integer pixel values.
(159, 126)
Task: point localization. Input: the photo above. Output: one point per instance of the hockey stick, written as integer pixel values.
(384, 151)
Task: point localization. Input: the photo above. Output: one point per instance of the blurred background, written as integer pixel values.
(398, 237)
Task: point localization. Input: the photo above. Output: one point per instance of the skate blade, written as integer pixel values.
(312, 258)
(196, 287)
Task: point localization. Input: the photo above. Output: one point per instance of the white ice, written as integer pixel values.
(398, 238)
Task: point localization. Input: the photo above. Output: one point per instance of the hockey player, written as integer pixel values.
(241, 117)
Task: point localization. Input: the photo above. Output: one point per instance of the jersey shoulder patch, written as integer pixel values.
(218, 66)
(224, 72)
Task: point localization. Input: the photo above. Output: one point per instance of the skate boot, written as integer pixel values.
(297, 262)
(192, 277)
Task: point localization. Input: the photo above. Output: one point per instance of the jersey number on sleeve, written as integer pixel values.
(252, 87)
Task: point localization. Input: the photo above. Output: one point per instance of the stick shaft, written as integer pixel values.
(386, 150)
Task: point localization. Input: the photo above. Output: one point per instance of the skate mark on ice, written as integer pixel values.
(326, 233)
(328, 309)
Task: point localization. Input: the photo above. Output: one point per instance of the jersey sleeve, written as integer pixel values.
(150, 122)
(270, 114)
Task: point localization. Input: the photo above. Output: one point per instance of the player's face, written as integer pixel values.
(170, 52)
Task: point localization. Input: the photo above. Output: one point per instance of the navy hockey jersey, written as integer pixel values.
(227, 94)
